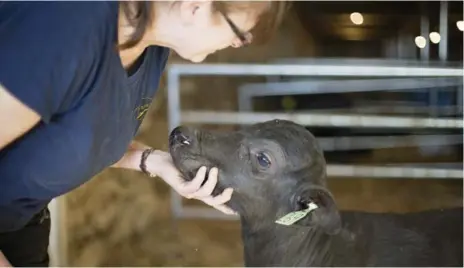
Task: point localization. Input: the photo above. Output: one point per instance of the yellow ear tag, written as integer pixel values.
(295, 216)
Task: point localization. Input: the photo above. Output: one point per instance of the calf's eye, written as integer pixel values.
(263, 160)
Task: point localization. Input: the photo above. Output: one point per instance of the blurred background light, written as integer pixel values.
(420, 41)
(434, 37)
(357, 18)
(460, 25)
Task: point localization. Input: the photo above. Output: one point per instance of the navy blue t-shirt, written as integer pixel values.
(60, 59)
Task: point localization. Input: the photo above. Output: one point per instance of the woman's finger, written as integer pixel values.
(207, 189)
(219, 199)
(224, 197)
(226, 210)
(189, 188)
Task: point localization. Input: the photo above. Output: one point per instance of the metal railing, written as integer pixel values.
(408, 77)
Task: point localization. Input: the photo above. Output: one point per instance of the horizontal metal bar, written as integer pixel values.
(373, 142)
(438, 165)
(447, 110)
(440, 110)
(311, 70)
(368, 61)
(386, 172)
(243, 118)
(340, 86)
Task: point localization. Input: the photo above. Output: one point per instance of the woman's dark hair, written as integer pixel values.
(140, 15)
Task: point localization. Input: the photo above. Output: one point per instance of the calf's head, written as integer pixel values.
(275, 167)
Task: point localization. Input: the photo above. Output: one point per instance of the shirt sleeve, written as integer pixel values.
(41, 51)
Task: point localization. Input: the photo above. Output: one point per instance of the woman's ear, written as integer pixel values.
(195, 12)
(325, 214)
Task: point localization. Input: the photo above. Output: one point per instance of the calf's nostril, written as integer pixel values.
(183, 139)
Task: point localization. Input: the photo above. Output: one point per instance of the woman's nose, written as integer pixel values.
(236, 43)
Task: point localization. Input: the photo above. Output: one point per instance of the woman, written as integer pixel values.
(72, 75)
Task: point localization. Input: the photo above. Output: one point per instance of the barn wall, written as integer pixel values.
(122, 218)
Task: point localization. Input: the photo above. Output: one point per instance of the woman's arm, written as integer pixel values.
(131, 158)
(3, 261)
(15, 118)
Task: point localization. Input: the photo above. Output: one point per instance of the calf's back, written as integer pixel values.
(428, 238)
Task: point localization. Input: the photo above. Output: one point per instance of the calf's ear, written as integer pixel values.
(325, 216)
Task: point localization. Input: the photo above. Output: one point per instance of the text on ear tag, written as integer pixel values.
(295, 216)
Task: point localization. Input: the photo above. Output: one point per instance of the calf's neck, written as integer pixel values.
(275, 168)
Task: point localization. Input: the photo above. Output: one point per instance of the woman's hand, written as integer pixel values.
(160, 163)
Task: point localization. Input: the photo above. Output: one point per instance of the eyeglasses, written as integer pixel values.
(244, 37)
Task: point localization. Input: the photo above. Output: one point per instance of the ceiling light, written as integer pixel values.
(434, 37)
(460, 25)
(357, 18)
(420, 41)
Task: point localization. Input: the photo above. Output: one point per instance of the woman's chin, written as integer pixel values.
(198, 58)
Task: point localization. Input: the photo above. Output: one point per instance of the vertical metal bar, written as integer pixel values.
(174, 119)
(443, 45)
(391, 48)
(433, 101)
(425, 53)
(459, 101)
(399, 46)
(244, 100)
(53, 247)
(425, 28)
(173, 95)
(58, 246)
